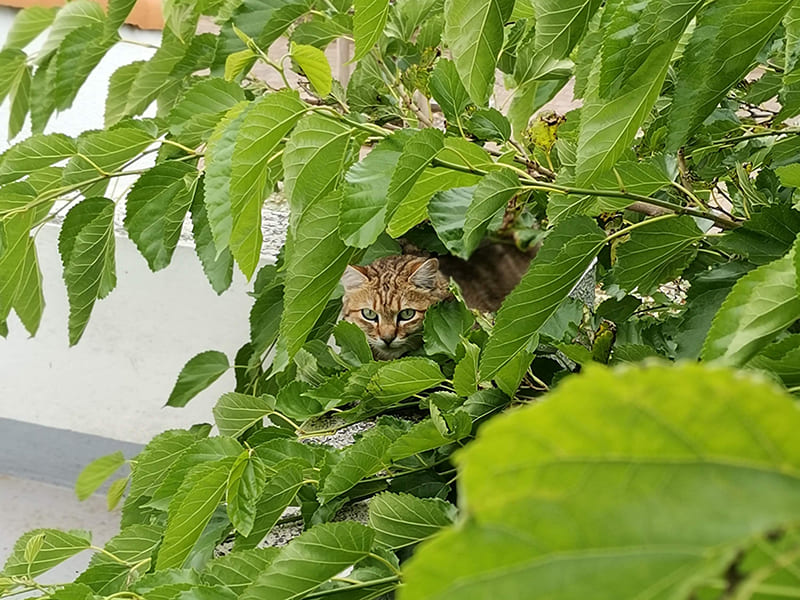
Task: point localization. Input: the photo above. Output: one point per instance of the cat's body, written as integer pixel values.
(388, 298)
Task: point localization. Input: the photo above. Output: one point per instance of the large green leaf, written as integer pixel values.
(152, 464)
(34, 153)
(316, 258)
(766, 236)
(647, 443)
(155, 210)
(20, 98)
(722, 50)
(369, 19)
(20, 276)
(560, 24)
(402, 520)
(200, 372)
(609, 123)
(38, 551)
(96, 472)
(447, 89)
(234, 413)
(238, 570)
(491, 195)
(70, 17)
(202, 106)
(362, 459)
(264, 125)
(218, 266)
(190, 511)
(279, 492)
(154, 76)
(781, 358)
(119, 86)
(219, 154)
(28, 24)
(444, 325)
(118, 11)
(655, 253)
(446, 212)
(761, 304)
(563, 258)
(315, 66)
(77, 56)
(245, 484)
(12, 63)
(315, 157)
(103, 152)
(474, 32)
(417, 153)
(398, 379)
(311, 559)
(363, 207)
(86, 244)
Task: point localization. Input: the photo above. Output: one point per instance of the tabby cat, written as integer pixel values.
(388, 298)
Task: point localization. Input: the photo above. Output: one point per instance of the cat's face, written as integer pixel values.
(388, 300)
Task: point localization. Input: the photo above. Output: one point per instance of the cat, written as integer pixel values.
(388, 298)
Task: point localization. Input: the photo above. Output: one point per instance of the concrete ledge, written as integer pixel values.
(51, 455)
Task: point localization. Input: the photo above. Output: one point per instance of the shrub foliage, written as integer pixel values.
(673, 181)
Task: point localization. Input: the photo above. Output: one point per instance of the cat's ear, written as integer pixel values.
(353, 278)
(426, 275)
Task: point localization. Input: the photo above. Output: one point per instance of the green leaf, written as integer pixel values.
(565, 255)
(402, 520)
(70, 17)
(235, 413)
(115, 492)
(610, 123)
(781, 358)
(155, 210)
(492, 194)
(670, 463)
(447, 211)
(465, 377)
(726, 40)
(190, 511)
(320, 30)
(363, 208)
(316, 258)
(238, 63)
(264, 125)
(489, 124)
(237, 570)
(118, 11)
(12, 64)
(447, 89)
(103, 152)
(218, 266)
(560, 24)
(152, 464)
(766, 236)
(655, 253)
(279, 492)
(245, 484)
(20, 276)
(643, 177)
(19, 95)
(315, 157)
(219, 154)
(154, 75)
(77, 56)
(56, 547)
(311, 559)
(363, 459)
(133, 545)
(416, 155)
(444, 325)
(119, 86)
(761, 304)
(399, 379)
(315, 66)
(34, 153)
(28, 24)
(96, 472)
(474, 32)
(202, 106)
(200, 372)
(421, 437)
(354, 348)
(369, 19)
(86, 245)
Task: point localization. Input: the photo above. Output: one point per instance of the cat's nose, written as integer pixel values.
(388, 340)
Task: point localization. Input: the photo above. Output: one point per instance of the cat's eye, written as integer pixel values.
(369, 314)
(406, 314)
